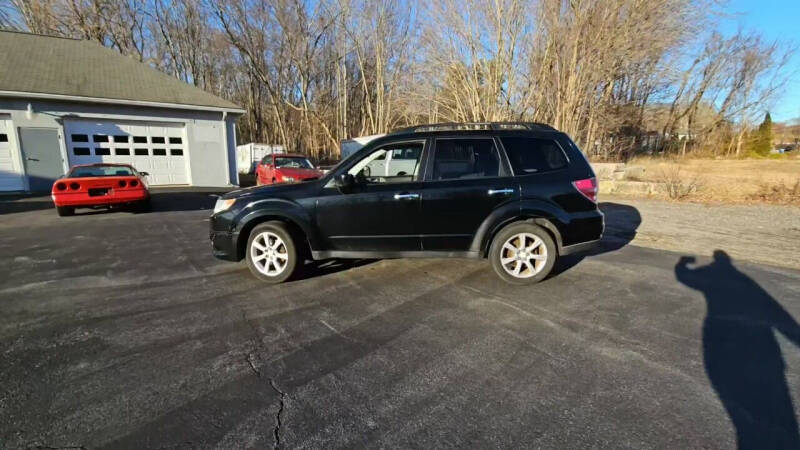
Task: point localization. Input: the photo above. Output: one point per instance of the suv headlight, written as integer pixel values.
(223, 204)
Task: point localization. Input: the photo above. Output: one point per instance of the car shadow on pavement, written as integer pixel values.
(621, 223)
(741, 353)
(188, 200)
(161, 200)
(314, 269)
(12, 204)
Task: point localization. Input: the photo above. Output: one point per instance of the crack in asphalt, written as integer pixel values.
(281, 404)
(281, 400)
(47, 447)
(281, 395)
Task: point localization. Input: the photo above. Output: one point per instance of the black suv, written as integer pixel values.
(520, 194)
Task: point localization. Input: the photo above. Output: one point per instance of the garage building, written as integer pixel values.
(65, 102)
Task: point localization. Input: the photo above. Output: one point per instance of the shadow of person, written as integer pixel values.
(742, 357)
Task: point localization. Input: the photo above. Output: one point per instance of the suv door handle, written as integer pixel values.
(500, 191)
(406, 196)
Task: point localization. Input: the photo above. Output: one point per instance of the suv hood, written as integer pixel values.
(287, 190)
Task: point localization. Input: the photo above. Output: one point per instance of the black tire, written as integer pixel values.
(541, 267)
(257, 268)
(65, 211)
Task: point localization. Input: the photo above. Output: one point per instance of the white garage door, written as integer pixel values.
(10, 165)
(156, 148)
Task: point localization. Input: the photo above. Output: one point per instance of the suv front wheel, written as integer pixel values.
(523, 253)
(271, 252)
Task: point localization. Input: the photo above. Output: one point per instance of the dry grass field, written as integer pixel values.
(771, 180)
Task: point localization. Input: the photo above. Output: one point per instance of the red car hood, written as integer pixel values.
(300, 174)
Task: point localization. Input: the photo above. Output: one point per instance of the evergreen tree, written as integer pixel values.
(763, 137)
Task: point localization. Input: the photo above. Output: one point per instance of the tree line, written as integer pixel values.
(620, 76)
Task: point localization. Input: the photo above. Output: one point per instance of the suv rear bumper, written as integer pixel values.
(113, 197)
(581, 233)
(577, 248)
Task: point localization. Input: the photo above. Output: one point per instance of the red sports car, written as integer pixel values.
(285, 168)
(98, 185)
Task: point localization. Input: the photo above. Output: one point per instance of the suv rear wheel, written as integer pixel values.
(271, 252)
(523, 253)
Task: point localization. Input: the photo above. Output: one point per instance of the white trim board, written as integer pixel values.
(77, 98)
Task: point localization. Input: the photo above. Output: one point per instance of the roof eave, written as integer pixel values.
(78, 98)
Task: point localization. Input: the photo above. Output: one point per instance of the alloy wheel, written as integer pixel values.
(523, 255)
(269, 254)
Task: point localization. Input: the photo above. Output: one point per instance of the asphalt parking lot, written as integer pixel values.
(121, 330)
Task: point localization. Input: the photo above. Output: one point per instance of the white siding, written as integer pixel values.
(10, 165)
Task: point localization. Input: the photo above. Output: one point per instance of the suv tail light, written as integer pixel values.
(587, 187)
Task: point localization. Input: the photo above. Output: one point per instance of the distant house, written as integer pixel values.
(65, 102)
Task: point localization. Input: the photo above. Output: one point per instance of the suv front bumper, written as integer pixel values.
(223, 245)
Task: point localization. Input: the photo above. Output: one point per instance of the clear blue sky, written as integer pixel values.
(775, 19)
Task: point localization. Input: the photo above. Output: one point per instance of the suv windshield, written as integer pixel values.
(293, 162)
(100, 171)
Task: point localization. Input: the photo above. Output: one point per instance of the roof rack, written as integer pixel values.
(476, 126)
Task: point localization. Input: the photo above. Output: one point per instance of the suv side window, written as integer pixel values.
(532, 155)
(465, 158)
(393, 163)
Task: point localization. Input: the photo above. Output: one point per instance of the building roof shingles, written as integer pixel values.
(52, 65)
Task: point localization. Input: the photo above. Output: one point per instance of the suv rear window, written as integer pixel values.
(531, 155)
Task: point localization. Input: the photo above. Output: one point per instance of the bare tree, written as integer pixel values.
(620, 76)
(472, 49)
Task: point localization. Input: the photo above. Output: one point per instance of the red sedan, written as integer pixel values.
(97, 185)
(285, 168)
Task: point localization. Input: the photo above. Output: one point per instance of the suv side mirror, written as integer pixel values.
(344, 182)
